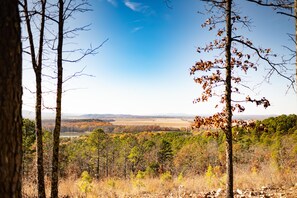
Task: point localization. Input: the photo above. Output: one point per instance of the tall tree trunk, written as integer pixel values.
(10, 100)
(38, 129)
(37, 66)
(229, 153)
(112, 164)
(107, 171)
(38, 119)
(295, 14)
(98, 162)
(125, 167)
(56, 133)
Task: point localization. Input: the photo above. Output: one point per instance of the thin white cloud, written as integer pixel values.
(113, 2)
(135, 6)
(136, 29)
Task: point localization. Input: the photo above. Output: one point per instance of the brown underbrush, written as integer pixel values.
(266, 182)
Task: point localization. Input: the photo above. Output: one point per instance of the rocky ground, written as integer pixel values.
(264, 192)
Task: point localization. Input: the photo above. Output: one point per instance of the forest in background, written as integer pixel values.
(267, 147)
(88, 125)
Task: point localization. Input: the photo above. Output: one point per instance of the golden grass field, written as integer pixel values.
(266, 183)
(162, 122)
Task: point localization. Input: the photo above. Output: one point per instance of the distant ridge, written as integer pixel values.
(51, 115)
(104, 116)
(95, 116)
(253, 117)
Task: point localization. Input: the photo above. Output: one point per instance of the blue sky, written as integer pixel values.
(144, 67)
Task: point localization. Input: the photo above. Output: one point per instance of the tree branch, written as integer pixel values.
(272, 65)
(290, 15)
(89, 51)
(77, 74)
(289, 5)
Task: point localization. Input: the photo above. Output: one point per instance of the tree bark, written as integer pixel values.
(295, 13)
(98, 161)
(37, 66)
(229, 153)
(10, 100)
(107, 161)
(125, 167)
(57, 129)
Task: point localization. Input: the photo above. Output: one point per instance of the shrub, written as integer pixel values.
(85, 183)
(166, 176)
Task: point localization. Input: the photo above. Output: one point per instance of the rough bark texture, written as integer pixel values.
(10, 100)
(56, 133)
(229, 154)
(37, 66)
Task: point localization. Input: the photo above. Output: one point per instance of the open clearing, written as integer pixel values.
(162, 122)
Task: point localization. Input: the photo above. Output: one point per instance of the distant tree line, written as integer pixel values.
(88, 125)
(270, 142)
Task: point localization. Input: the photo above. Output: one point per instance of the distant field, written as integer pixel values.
(77, 127)
(72, 134)
(162, 122)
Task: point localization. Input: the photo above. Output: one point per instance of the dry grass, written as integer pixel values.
(177, 187)
(162, 122)
(267, 176)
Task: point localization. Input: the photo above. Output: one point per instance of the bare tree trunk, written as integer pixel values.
(295, 14)
(107, 161)
(38, 119)
(125, 167)
(37, 66)
(56, 133)
(112, 172)
(228, 131)
(98, 163)
(10, 100)
(38, 129)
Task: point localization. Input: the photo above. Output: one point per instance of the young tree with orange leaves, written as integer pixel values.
(236, 55)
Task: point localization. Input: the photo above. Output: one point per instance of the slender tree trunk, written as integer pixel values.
(228, 131)
(107, 171)
(38, 130)
(37, 66)
(10, 100)
(98, 163)
(56, 133)
(112, 164)
(295, 13)
(38, 118)
(125, 167)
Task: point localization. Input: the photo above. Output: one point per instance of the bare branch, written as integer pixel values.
(83, 28)
(48, 76)
(273, 65)
(287, 14)
(90, 51)
(292, 38)
(77, 8)
(283, 5)
(78, 74)
(32, 92)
